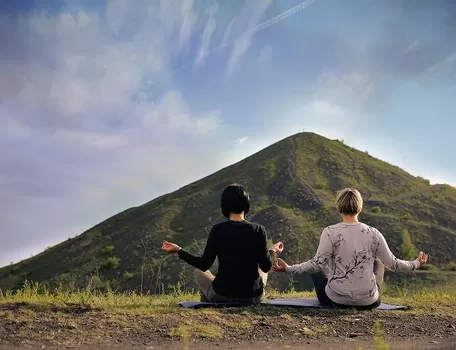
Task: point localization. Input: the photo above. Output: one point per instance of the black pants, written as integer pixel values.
(320, 281)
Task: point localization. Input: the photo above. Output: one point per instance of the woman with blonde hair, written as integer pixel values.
(348, 268)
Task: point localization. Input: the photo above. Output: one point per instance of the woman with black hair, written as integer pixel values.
(241, 248)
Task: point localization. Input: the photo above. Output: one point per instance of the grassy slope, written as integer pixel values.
(292, 185)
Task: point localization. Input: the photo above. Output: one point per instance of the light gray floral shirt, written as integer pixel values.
(346, 254)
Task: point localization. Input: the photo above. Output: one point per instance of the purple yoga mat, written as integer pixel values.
(288, 302)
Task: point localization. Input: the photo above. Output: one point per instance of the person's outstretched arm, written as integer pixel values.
(382, 251)
(265, 256)
(321, 258)
(204, 262)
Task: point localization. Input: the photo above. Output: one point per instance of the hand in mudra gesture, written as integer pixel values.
(169, 247)
(279, 265)
(422, 258)
(278, 247)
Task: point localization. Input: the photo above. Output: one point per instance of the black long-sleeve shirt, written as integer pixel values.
(241, 247)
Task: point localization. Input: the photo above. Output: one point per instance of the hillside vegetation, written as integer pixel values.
(292, 185)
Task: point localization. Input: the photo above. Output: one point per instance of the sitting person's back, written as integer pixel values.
(241, 248)
(350, 262)
(350, 251)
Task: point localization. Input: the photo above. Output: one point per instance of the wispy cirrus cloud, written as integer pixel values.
(250, 16)
(84, 125)
(207, 35)
(92, 109)
(101, 110)
(242, 140)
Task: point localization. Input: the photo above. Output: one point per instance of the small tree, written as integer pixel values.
(408, 249)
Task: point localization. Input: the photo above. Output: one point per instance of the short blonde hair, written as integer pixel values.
(349, 201)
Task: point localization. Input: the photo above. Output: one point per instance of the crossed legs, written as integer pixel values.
(320, 280)
(204, 282)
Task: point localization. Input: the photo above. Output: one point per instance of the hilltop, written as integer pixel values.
(292, 184)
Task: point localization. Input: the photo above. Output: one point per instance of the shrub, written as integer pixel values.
(376, 210)
(127, 275)
(450, 266)
(428, 267)
(108, 249)
(408, 249)
(423, 180)
(111, 262)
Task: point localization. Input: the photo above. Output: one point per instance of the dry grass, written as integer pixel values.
(438, 300)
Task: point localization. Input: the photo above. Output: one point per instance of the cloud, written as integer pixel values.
(397, 53)
(421, 48)
(249, 17)
(87, 134)
(265, 56)
(96, 113)
(357, 92)
(207, 35)
(227, 33)
(402, 52)
(242, 140)
(189, 20)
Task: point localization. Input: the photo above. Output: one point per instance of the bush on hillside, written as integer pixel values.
(111, 262)
(428, 267)
(408, 249)
(450, 266)
(108, 249)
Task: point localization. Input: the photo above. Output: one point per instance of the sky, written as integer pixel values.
(105, 105)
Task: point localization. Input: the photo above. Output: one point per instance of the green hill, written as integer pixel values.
(292, 185)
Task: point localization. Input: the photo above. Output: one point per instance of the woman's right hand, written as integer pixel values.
(279, 265)
(422, 258)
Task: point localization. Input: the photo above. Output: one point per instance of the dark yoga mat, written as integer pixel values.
(288, 302)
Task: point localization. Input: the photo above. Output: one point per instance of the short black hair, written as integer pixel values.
(235, 199)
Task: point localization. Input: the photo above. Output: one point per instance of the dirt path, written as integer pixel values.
(444, 344)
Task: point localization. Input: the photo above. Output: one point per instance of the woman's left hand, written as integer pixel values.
(278, 247)
(170, 247)
(279, 265)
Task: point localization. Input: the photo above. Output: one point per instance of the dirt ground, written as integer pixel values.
(26, 326)
(284, 345)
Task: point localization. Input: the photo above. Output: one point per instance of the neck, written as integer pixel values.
(237, 217)
(349, 218)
